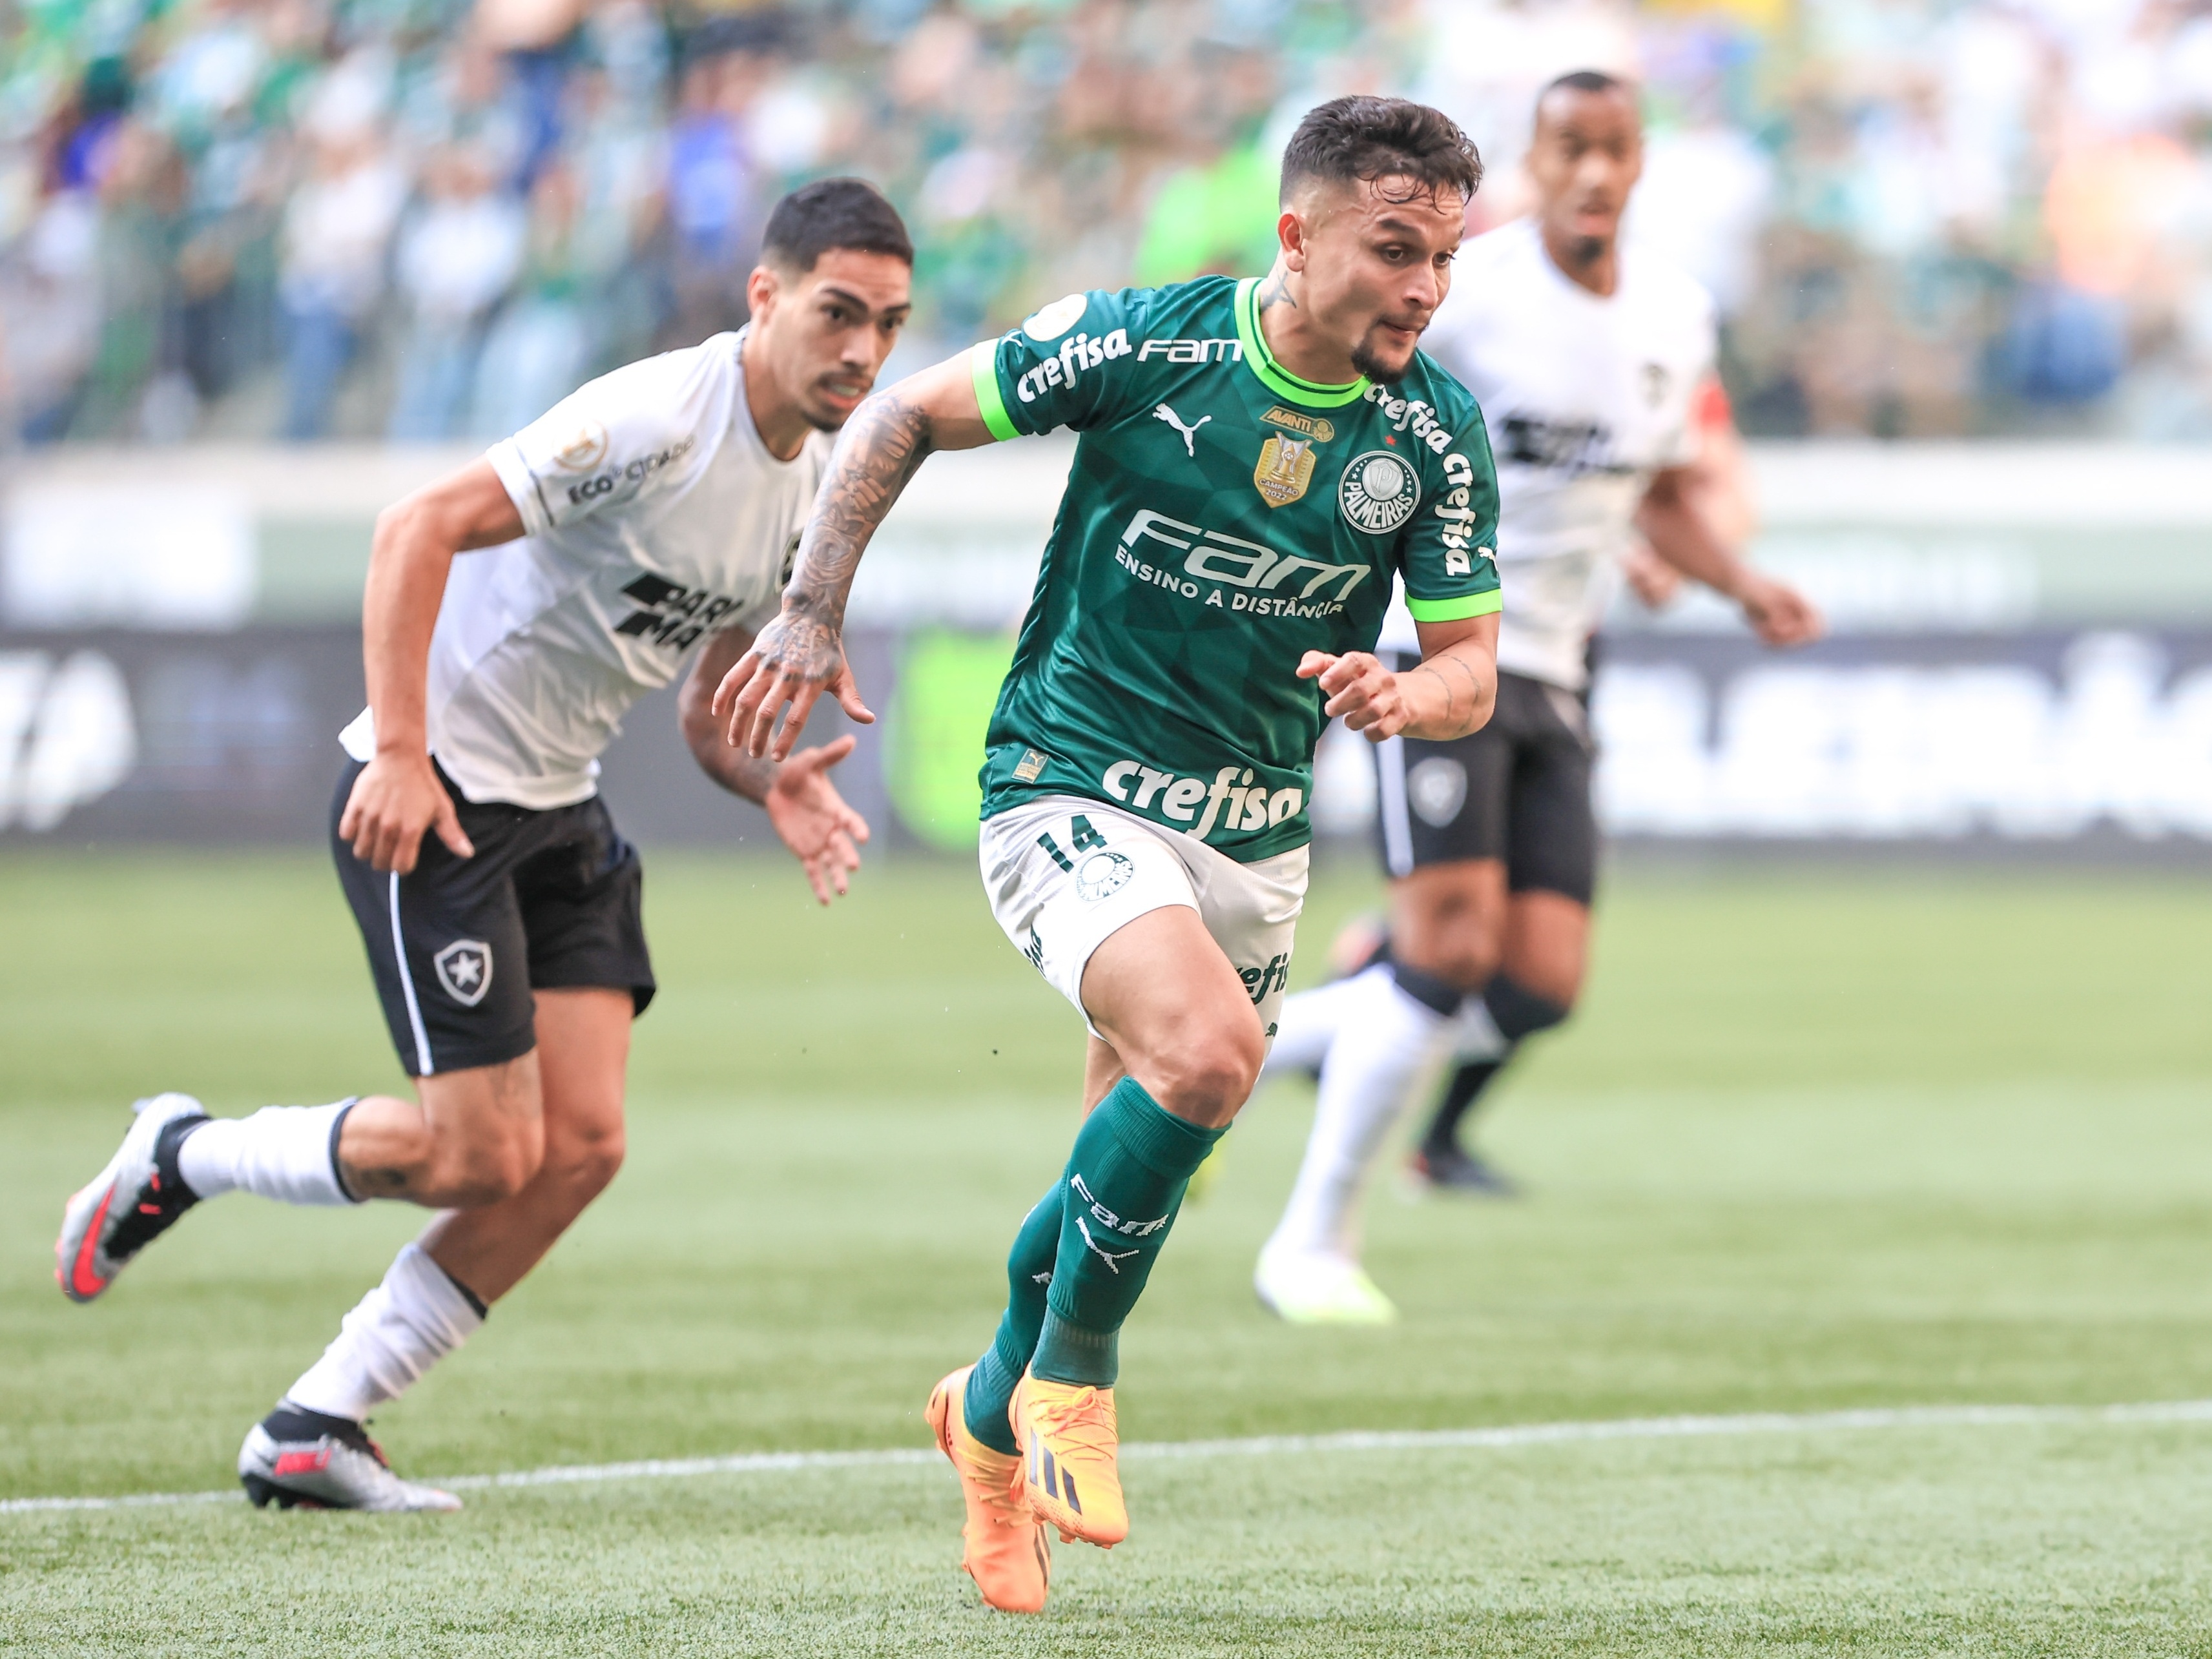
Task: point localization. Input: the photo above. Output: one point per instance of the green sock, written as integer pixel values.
(1029, 1269)
(1125, 1179)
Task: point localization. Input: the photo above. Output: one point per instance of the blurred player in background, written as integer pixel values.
(1590, 363)
(1717, 485)
(648, 519)
(1258, 458)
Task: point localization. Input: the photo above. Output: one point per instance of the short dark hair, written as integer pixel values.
(848, 213)
(1361, 139)
(1585, 81)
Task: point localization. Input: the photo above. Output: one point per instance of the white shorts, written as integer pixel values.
(1063, 871)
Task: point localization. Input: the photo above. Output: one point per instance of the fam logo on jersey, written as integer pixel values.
(1214, 559)
(1655, 381)
(465, 969)
(1378, 492)
(1286, 468)
(584, 449)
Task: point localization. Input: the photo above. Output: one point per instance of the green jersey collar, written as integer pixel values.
(1272, 375)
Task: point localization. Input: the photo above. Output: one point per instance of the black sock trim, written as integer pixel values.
(467, 1295)
(1518, 1011)
(291, 1422)
(337, 1128)
(1433, 991)
(166, 1147)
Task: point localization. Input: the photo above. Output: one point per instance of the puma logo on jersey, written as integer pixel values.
(1189, 432)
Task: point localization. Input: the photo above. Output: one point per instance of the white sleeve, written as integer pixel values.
(628, 434)
(1685, 443)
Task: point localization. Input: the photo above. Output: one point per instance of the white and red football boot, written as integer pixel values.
(131, 1202)
(304, 1460)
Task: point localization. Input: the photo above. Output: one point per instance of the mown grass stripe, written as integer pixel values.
(1504, 1437)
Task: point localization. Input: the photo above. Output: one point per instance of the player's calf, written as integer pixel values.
(476, 1139)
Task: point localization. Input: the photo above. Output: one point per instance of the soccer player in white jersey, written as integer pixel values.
(647, 521)
(1586, 358)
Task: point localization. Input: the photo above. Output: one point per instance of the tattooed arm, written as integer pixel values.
(1451, 692)
(801, 654)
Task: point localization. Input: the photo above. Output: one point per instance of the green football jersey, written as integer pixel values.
(1222, 517)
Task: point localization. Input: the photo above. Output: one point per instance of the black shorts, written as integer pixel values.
(458, 946)
(1517, 790)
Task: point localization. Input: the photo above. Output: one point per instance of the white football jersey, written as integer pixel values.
(1585, 398)
(656, 516)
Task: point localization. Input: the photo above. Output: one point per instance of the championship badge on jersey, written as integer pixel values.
(1286, 468)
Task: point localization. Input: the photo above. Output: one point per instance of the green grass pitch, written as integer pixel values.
(1857, 1139)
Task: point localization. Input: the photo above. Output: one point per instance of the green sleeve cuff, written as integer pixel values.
(1467, 605)
(983, 362)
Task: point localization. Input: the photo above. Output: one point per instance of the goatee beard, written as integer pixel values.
(1365, 359)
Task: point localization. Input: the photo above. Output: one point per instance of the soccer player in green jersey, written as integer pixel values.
(1260, 461)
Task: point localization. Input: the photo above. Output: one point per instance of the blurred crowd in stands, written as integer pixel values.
(428, 219)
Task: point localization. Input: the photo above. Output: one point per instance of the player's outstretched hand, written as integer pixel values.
(824, 834)
(394, 803)
(1779, 614)
(1360, 690)
(793, 660)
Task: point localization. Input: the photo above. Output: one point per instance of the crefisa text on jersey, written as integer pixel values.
(1077, 353)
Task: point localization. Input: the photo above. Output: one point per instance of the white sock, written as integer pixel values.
(1387, 1044)
(289, 1153)
(400, 1329)
(1476, 1034)
(1308, 1023)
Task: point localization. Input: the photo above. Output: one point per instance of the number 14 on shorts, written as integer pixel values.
(1080, 835)
(1097, 868)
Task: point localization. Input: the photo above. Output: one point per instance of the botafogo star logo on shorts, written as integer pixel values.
(464, 970)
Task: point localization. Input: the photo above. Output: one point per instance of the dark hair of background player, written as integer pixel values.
(846, 213)
(1366, 140)
(1585, 81)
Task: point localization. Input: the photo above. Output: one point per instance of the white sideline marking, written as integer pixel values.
(1504, 1437)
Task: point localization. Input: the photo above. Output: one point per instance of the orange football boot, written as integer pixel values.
(1069, 1441)
(1004, 1547)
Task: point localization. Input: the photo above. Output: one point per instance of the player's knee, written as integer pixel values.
(1460, 945)
(1207, 1078)
(586, 1164)
(488, 1165)
(1467, 960)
